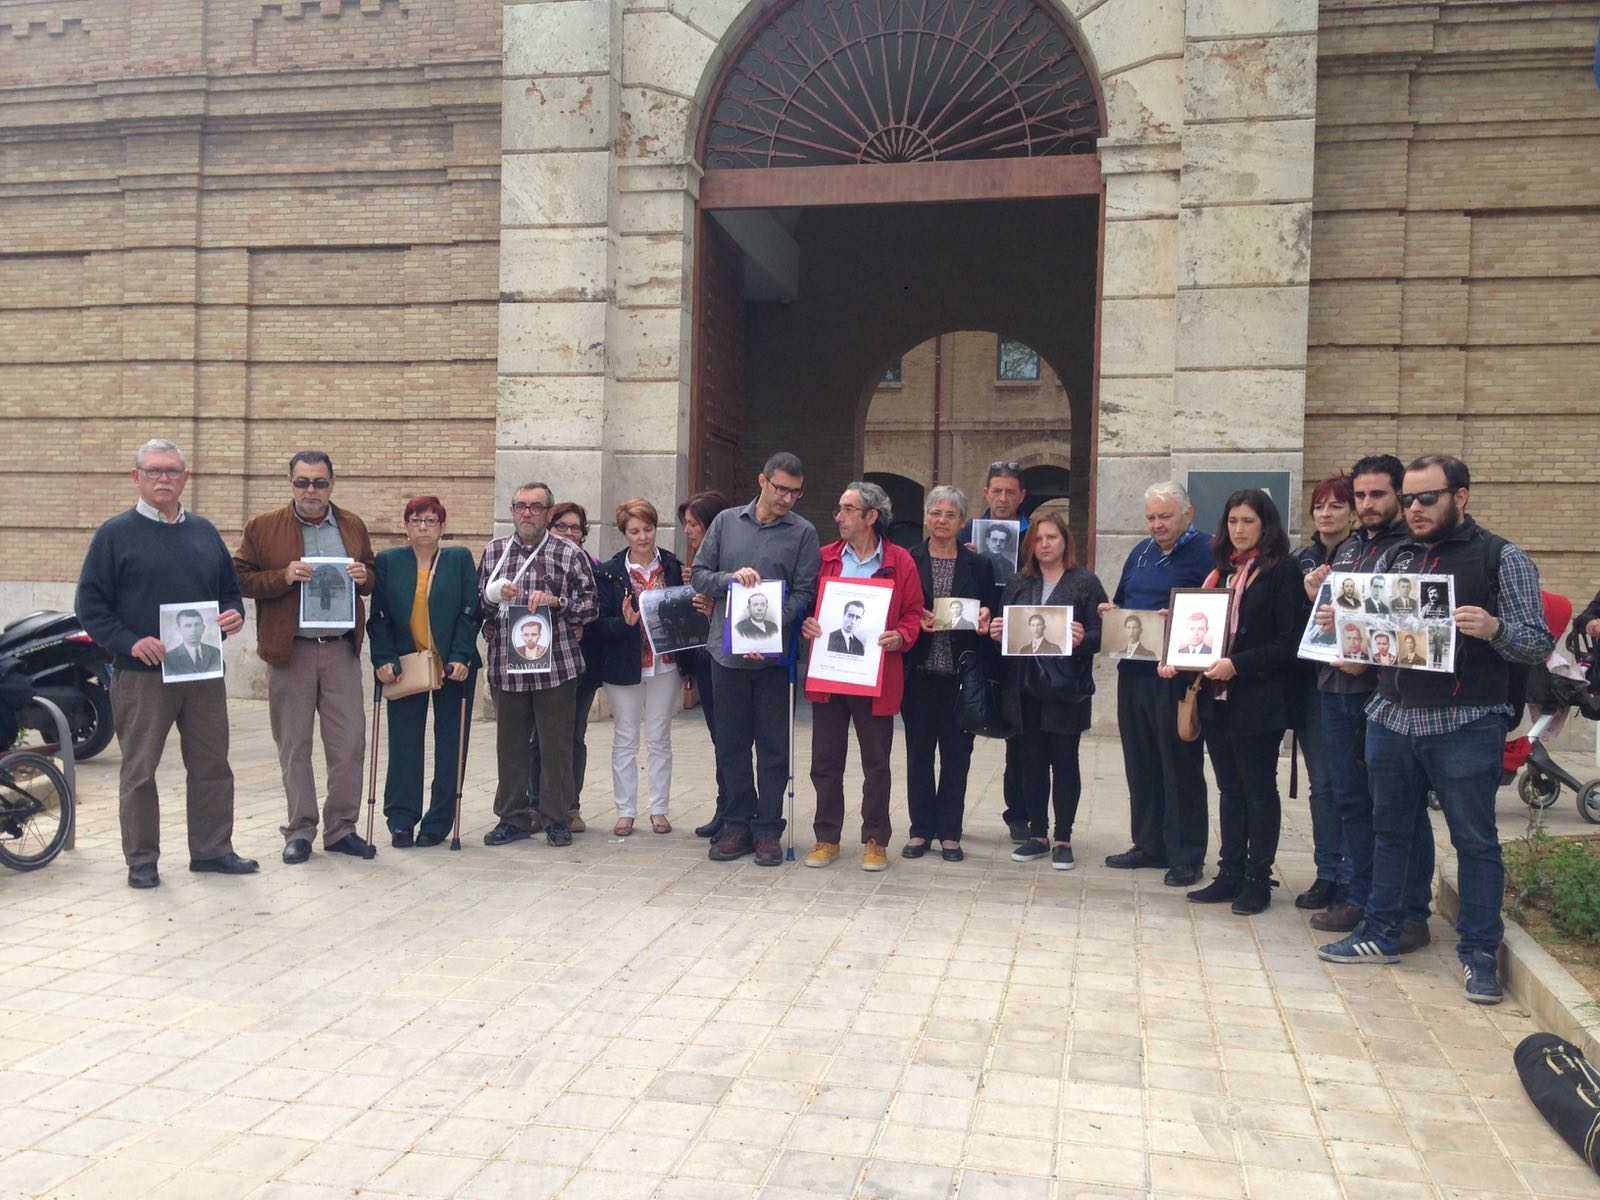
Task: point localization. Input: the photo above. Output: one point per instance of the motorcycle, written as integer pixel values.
(62, 664)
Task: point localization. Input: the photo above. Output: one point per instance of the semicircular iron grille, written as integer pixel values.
(833, 82)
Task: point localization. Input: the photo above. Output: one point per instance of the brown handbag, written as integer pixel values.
(421, 671)
(1189, 711)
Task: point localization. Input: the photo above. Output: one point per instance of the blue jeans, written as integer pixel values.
(1327, 842)
(1463, 768)
(1344, 742)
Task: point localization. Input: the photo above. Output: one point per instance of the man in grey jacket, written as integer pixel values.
(762, 540)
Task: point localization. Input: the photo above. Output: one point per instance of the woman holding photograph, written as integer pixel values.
(1048, 698)
(641, 687)
(694, 666)
(571, 521)
(931, 708)
(1333, 515)
(426, 598)
(1247, 695)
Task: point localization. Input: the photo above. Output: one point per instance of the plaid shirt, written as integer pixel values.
(558, 567)
(1522, 637)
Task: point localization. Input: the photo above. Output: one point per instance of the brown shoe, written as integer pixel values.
(575, 823)
(731, 845)
(1414, 936)
(769, 852)
(1341, 918)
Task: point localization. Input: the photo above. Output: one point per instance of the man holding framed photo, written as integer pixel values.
(314, 670)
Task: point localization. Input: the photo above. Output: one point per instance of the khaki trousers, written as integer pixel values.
(322, 679)
(144, 711)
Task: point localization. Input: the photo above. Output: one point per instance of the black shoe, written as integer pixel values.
(1018, 831)
(711, 829)
(401, 839)
(229, 864)
(297, 850)
(913, 851)
(1223, 888)
(1182, 876)
(952, 853)
(143, 876)
(1061, 858)
(730, 845)
(1319, 895)
(1132, 860)
(1414, 936)
(1481, 982)
(503, 835)
(425, 838)
(354, 845)
(1255, 893)
(1033, 848)
(558, 834)
(768, 852)
(1343, 917)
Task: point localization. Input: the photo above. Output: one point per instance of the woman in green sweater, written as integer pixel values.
(426, 599)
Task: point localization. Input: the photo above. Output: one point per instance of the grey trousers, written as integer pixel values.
(322, 680)
(549, 712)
(143, 712)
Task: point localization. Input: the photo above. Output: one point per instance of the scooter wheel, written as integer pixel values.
(1538, 790)
(1589, 802)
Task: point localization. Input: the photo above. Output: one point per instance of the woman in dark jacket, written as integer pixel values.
(694, 517)
(571, 521)
(426, 599)
(1047, 697)
(641, 686)
(1248, 695)
(931, 707)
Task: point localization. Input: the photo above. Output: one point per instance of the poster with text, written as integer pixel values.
(846, 657)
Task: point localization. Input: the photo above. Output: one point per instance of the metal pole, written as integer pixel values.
(372, 758)
(462, 741)
(69, 765)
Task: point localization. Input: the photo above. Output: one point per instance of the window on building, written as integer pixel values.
(891, 373)
(1016, 362)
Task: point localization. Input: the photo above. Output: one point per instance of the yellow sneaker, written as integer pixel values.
(873, 857)
(822, 854)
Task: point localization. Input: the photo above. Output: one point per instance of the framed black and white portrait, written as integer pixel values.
(193, 642)
(1197, 628)
(671, 621)
(328, 598)
(1000, 540)
(755, 618)
(528, 650)
(847, 657)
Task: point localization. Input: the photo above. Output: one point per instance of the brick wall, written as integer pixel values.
(1455, 301)
(252, 226)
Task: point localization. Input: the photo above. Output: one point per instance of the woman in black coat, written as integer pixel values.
(1248, 696)
(1047, 698)
(931, 708)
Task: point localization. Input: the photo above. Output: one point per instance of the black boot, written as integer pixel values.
(1223, 888)
(1256, 892)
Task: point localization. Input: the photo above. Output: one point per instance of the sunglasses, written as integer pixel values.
(1427, 499)
(316, 485)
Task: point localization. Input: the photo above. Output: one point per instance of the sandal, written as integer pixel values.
(660, 824)
(623, 827)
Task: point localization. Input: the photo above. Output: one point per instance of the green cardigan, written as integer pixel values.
(452, 606)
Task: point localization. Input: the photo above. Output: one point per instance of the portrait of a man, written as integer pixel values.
(1404, 601)
(1376, 602)
(957, 619)
(998, 541)
(189, 654)
(1037, 643)
(1383, 648)
(1439, 644)
(1349, 595)
(1410, 652)
(1354, 645)
(847, 639)
(757, 621)
(1196, 635)
(1435, 601)
(529, 640)
(1133, 639)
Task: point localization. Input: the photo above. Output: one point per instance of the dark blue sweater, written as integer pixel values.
(1149, 576)
(135, 565)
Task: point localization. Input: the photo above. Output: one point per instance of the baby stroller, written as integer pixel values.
(1555, 689)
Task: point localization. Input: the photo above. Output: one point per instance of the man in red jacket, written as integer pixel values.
(862, 552)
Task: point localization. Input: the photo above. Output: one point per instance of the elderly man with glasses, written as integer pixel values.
(158, 553)
(535, 568)
(314, 673)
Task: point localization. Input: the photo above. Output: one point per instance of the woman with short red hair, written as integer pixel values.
(426, 599)
(641, 686)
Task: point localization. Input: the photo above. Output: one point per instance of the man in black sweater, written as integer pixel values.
(157, 553)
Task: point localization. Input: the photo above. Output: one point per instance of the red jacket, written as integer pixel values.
(905, 618)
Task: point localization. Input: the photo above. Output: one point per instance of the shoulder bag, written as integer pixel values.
(1189, 711)
(421, 670)
(980, 709)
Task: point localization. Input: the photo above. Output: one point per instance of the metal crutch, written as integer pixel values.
(463, 739)
(794, 656)
(372, 762)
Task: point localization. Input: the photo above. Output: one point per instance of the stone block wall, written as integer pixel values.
(1455, 297)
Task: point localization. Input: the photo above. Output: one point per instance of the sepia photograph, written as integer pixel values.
(955, 614)
(853, 614)
(755, 618)
(1001, 540)
(1133, 633)
(1396, 620)
(671, 621)
(528, 651)
(328, 598)
(1197, 630)
(1037, 629)
(193, 641)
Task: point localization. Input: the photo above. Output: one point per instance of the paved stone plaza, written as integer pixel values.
(626, 1019)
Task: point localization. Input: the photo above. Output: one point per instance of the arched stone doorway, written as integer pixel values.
(874, 175)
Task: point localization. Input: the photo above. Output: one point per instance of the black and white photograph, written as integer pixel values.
(1197, 629)
(1318, 644)
(193, 641)
(755, 618)
(1398, 620)
(1349, 596)
(328, 598)
(529, 645)
(1383, 643)
(1437, 601)
(1413, 649)
(1044, 629)
(671, 621)
(998, 539)
(853, 614)
(955, 614)
(1133, 633)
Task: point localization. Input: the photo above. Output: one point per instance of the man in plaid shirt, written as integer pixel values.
(537, 570)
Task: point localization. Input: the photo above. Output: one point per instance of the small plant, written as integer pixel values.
(1558, 877)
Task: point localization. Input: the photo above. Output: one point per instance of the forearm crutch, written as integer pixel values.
(372, 763)
(789, 795)
(463, 739)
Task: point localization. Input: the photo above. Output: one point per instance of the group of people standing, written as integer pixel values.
(1375, 739)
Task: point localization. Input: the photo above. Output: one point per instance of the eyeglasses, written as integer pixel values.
(163, 472)
(522, 506)
(424, 522)
(316, 485)
(568, 527)
(1427, 499)
(848, 508)
(1002, 465)
(788, 493)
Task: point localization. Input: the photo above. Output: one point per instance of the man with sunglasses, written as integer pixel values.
(764, 539)
(1446, 731)
(314, 674)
